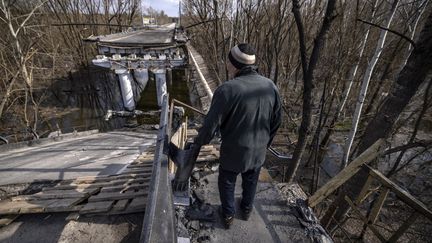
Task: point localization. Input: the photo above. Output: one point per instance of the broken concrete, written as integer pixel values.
(274, 218)
(49, 228)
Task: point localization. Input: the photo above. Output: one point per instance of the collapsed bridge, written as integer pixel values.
(144, 184)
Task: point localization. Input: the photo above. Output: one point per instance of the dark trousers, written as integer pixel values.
(226, 184)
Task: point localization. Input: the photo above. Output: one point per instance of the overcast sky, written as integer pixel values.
(170, 7)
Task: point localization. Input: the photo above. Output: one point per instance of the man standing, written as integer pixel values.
(247, 111)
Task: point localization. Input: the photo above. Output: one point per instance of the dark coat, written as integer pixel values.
(247, 109)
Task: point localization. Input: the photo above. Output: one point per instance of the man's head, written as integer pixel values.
(240, 56)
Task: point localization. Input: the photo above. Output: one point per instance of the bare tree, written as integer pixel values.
(308, 71)
(365, 85)
(21, 57)
(414, 73)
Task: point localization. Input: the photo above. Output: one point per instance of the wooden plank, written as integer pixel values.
(145, 159)
(73, 216)
(135, 166)
(8, 207)
(402, 194)
(63, 205)
(371, 153)
(96, 207)
(120, 205)
(364, 190)
(207, 158)
(112, 212)
(378, 204)
(92, 177)
(399, 232)
(35, 197)
(116, 196)
(7, 219)
(365, 220)
(56, 205)
(137, 203)
(136, 171)
(205, 153)
(105, 179)
(95, 185)
(123, 188)
(57, 195)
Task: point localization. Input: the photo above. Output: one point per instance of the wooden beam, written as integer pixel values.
(402, 194)
(367, 156)
(378, 204)
(365, 220)
(403, 227)
(364, 191)
(123, 188)
(21, 207)
(138, 203)
(120, 205)
(106, 179)
(61, 194)
(96, 207)
(94, 185)
(7, 219)
(112, 196)
(64, 205)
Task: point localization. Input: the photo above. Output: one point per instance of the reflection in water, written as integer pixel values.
(80, 101)
(106, 95)
(177, 88)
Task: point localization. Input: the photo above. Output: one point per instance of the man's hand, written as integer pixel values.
(185, 161)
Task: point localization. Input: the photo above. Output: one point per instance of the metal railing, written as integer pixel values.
(158, 224)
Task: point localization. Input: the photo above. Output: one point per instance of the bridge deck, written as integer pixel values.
(159, 36)
(97, 154)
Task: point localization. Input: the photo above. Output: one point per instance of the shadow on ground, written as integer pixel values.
(55, 227)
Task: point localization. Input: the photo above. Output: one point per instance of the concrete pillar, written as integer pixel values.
(161, 87)
(142, 76)
(125, 79)
(169, 76)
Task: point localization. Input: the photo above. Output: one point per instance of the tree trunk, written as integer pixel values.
(414, 73)
(365, 85)
(423, 111)
(308, 71)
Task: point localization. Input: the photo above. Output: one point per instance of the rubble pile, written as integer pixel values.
(197, 220)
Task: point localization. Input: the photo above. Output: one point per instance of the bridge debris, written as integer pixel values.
(123, 193)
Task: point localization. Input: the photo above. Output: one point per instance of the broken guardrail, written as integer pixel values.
(158, 225)
(386, 187)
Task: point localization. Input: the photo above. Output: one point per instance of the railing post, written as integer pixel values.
(370, 154)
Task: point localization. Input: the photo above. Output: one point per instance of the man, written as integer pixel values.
(247, 111)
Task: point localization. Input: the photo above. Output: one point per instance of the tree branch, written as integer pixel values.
(29, 16)
(389, 30)
(420, 143)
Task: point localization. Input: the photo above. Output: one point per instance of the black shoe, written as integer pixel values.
(245, 213)
(227, 221)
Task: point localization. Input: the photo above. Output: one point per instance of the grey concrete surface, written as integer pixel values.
(272, 219)
(97, 154)
(42, 141)
(52, 228)
(154, 36)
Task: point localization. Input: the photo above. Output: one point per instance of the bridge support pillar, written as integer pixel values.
(141, 75)
(125, 79)
(161, 86)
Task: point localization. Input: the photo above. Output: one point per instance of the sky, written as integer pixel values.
(170, 7)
